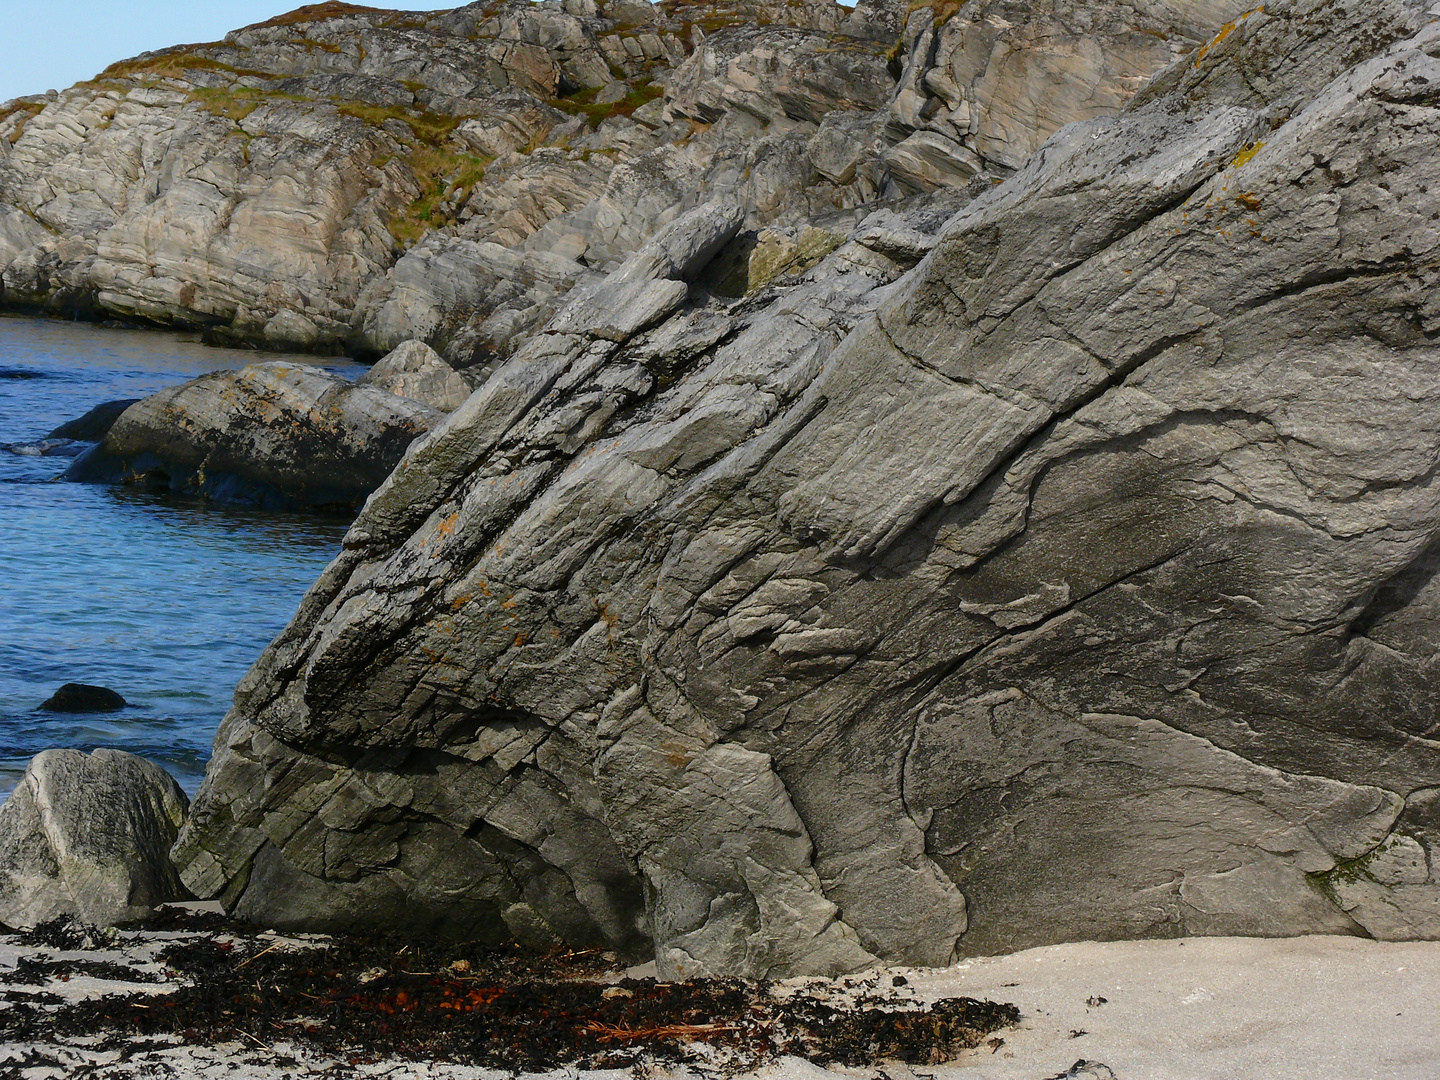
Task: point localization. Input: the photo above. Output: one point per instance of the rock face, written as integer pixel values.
(80, 698)
(1054, 564)
(416, 371)
(344, 177)
(95, 424)
(89, 836)
(274, 434)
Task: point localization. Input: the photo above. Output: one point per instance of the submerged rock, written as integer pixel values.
(95, 424)
(47, 448)
(81, 698)
(89, 836)
(273, 434)
(416, 371)
(1055, 565)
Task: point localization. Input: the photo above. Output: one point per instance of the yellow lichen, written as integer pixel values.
(1244, 156)
(1223, 33)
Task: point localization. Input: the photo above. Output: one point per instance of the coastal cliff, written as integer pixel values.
(348, 178)
(940, 482)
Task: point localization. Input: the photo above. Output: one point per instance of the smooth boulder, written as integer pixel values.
(414, 370)
(276, 435)
(82, 698)
(89, 836)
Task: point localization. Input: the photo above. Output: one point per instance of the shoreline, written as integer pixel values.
(210, 335)
(1179, 1009)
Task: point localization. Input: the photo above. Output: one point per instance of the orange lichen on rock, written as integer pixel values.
(1224, 32)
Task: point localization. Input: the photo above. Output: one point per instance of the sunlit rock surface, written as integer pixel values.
(1048, 560)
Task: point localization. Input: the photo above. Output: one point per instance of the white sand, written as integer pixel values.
(1210, 1008)
(1318, 1008)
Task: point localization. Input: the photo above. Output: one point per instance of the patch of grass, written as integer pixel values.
(323, 46)
(702, 13)
(428, 127)
(943, 10)
(439, 170)
(171, 64)
(31, 109)
(331, 9)
(583, 103)
(438, 167)
(236, 102)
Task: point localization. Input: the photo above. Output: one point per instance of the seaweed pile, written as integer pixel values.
(367, 999)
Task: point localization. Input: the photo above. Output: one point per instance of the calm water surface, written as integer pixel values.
(167, 601)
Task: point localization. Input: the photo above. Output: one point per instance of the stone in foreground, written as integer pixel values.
(89, 836)
(81, 698)
(276, 435)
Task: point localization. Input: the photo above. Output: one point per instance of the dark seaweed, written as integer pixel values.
(32, 971)
(497, 1006)
(61, 933)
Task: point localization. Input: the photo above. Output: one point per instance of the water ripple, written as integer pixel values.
(167, 601)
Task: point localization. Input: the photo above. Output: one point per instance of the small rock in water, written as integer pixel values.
(48, 448)
(93, 426)
(80, 698)
(89, 836)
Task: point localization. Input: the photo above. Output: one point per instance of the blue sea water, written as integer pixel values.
(165, 600)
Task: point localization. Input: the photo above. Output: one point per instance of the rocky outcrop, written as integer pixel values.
(1052, 564)
(89, 836)
(348, 178)
(275, 434)
(95, 424)
(416, 371)
(74, 437)
(82, 698)
(47, 448)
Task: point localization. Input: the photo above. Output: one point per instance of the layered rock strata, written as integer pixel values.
(1053, 564)
(343, 177)
(416, 371)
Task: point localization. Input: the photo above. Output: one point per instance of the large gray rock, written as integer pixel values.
(1075, 582)
(470, 299)
(275, 434)
(89, 836)
(416, 371)
(1002, 77)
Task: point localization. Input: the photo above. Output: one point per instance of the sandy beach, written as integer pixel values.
(1186, 1009)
